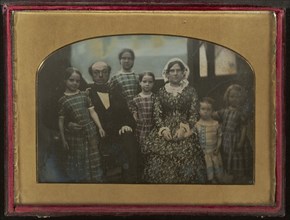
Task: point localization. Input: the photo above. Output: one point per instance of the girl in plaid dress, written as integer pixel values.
(83, 158)
(142, 106)
(234, 148)
(123, 88)
(125, 81)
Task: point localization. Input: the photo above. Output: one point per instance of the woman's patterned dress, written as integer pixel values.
(174, 161)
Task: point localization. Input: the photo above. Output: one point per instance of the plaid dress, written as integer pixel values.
(208, 137)
(234, 159)
(83, 158)
(143, 105)
(126, 83)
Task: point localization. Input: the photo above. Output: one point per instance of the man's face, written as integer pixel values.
(100, 73)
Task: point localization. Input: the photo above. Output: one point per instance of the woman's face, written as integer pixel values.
(175, 75)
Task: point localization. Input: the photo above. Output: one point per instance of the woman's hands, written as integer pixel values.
(179, 134)
(166, 134)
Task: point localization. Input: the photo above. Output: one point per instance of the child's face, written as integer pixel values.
(205, 110)
(234, 98)
(127, 61)
(147, 83)
(73, 82)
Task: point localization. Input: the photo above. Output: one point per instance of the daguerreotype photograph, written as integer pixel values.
(145, 108)
(144, 111)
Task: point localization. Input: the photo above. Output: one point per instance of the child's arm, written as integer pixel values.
(135, 116)
(134, 109)
(96, 119)
(218, 145)
(219, 141)
(61, 129)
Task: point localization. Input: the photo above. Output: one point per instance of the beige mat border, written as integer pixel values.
(36, 34)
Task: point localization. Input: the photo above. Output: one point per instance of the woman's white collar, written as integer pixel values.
(175, 90)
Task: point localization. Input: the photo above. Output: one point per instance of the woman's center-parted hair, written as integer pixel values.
(126, 50)
(170, 65)
(69, 71)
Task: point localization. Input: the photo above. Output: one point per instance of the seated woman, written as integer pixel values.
(171, 155)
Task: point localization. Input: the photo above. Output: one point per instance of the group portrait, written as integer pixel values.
(145, 109)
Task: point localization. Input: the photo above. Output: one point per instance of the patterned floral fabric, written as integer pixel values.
(83, 159)
(143, 105)
(174, 161)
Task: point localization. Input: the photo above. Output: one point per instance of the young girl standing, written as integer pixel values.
(83, 159)
(234, 134)
(142, 106)
(209, 133)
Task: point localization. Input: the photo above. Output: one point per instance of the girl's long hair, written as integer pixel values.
(238, 88)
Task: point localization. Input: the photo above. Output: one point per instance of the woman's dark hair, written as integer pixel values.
(146, 73)
(171, 64)
(69, 71)
(127, 50)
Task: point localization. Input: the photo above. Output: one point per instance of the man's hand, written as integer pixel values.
(74, 126)
(125, 129)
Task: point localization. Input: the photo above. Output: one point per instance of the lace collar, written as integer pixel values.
(175, 90)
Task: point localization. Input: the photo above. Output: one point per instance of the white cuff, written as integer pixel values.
(161, 130)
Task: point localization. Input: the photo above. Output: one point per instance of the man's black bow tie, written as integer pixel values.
(101, 88)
